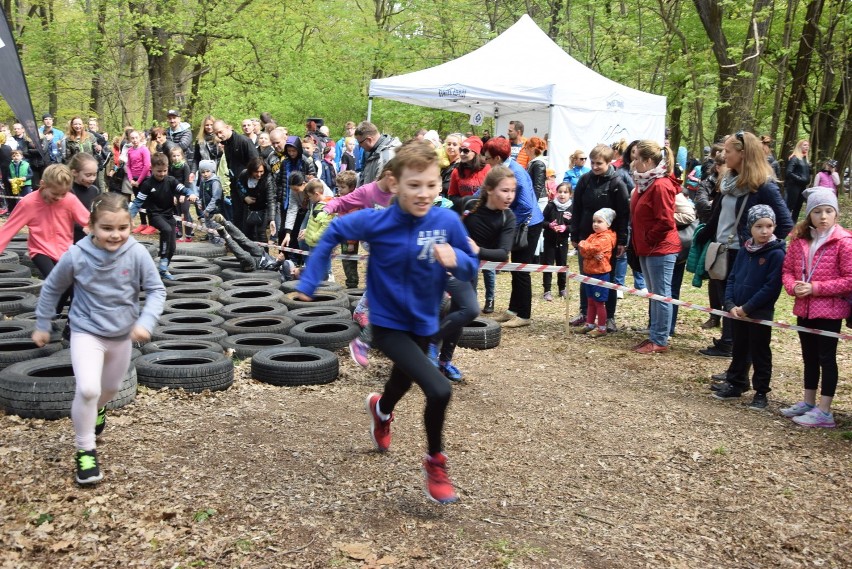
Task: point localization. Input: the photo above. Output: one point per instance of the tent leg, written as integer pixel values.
(369, 108)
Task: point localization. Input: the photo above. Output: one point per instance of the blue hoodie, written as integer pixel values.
(106, 289)
(405, 282)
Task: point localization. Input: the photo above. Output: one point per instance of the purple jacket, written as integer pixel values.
(831, 276)
(368, 196)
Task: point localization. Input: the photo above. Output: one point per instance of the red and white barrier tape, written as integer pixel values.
(530, 268)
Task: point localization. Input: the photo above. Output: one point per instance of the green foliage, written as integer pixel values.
(236, 59)
(203, 515)
(43, 519)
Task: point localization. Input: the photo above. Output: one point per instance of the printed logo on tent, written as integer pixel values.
(452, 92)
(615, 102)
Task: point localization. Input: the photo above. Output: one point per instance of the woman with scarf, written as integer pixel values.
(748, 181)
(655, 239)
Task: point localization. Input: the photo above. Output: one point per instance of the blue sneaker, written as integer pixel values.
(450, 371)
(432, 354)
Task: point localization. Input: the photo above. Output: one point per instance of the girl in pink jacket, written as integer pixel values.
(818, 272)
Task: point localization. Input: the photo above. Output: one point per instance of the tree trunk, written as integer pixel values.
(160, 75)
(96, 94)
(801, 71)
(781, 83)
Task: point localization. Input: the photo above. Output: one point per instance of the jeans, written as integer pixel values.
(658, 272)
(489, 277)
(463, 309)
(411, 365)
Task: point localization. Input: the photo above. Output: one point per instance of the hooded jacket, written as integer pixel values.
(831, 276)
(652, 214)
(182, 137)
(594, 192)
(376, 159)
(106, 290)
(754, 282)
(210, 197)
(405, 281)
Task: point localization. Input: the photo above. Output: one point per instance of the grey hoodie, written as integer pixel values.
(106, 289)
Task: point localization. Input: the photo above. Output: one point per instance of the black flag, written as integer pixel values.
(13, 86)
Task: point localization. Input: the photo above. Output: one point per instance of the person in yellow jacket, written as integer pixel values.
(317, 221)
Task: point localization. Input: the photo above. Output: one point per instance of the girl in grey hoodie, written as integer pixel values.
(107, 268)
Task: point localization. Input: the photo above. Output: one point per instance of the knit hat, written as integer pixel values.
(820, 196)
(432, 136)
(607, 214)
(208, 165)
(474, 143)
(759, 211)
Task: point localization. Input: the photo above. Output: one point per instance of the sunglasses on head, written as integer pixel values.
(740, 136)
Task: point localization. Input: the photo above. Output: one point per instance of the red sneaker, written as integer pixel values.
(379, 430)
(438, 486)
(651, 348)
(139, 229)
(149, 230)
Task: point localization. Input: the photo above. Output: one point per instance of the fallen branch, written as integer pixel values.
(298, 549)
(588, 517)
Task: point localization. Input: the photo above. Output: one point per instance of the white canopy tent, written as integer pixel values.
(550, 92)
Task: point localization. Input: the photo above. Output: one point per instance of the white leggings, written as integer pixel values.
(99, 366)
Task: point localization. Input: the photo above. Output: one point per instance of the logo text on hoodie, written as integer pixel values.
(426, 240)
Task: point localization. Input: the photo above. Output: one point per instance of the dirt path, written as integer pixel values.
(567, 452)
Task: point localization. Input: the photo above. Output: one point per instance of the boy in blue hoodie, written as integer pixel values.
(754, 285)
(412, 246)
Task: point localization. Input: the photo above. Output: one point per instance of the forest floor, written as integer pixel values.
(567, 452)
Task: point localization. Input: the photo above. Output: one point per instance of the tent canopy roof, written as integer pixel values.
(500, 78)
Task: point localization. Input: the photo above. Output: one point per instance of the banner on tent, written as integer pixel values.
(13, 85)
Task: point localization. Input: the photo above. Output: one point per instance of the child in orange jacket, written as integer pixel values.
(596, 251)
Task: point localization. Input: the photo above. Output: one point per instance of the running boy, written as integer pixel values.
(412, 246)
(108, 268)
(157, 195)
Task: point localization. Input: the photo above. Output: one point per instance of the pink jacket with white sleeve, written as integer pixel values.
(831, 276)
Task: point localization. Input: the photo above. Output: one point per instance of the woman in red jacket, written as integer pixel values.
(655, 238)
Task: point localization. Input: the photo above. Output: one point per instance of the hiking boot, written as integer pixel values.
(720, 386)
(379, 429)
(729, 391)
(610, 326)
(100, 422)
(505, 317)
(432, 354)
(438, 486)
(797, 410)
(450, 371)
(759, 402)
(597, 333)
(489, 306)
(816, 417)
(720, 376)
(712, 322)
(715, 352)
(548, 297)
(517, 322)
(359, 351)
(86, 462)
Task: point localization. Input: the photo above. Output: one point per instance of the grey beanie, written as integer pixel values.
(818, 196)
(607, 214)
(207, 165)
(759, 211)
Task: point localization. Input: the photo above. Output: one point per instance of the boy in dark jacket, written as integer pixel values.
(157, 195)
(754, 285)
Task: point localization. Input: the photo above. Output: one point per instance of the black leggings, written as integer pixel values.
(520, 299)
(463, 309)
(410, 364)
(165, 224)
(45, 264)
(819, 353)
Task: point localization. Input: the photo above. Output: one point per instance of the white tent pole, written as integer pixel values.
(369, 108)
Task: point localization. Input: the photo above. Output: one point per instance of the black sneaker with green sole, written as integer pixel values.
(88, 471)
(100, 422)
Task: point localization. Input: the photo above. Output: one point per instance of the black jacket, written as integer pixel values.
(238, 151)
(594, 192)
(537, 169)
(263, 193)
(798, 173)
